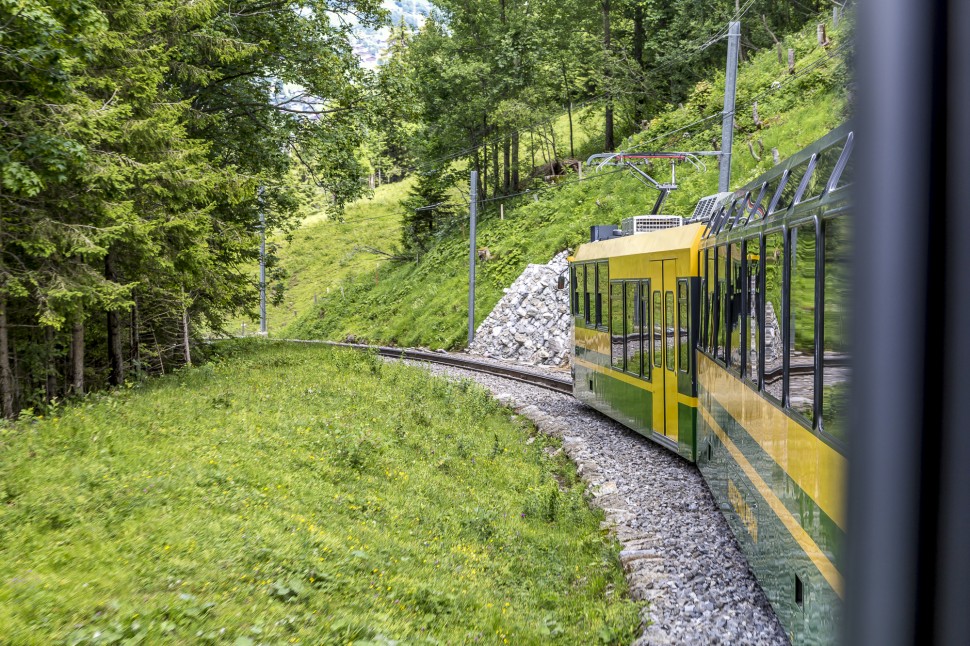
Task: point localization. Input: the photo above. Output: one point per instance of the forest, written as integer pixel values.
(142, 143)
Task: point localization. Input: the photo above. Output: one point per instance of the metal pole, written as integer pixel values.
(727, 124)
(262, 265)
(472, 252)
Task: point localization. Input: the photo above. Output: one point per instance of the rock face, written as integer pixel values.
(530, 324)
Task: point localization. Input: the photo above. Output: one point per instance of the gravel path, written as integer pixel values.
(678, 552)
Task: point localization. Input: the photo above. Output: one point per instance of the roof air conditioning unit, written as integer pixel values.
(708, 206)
(648, 223)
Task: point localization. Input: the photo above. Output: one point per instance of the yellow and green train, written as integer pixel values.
(725, 342)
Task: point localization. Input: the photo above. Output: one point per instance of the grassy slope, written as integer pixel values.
(261, 499)
(425, 303)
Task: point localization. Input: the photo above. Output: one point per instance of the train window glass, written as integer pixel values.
(683, 327)
(733, 305)
(709, 300)
(739, 208)
(801, 354)
(824, 165)
(720, 303)
(617, 335)
(645, 329)
(602, 293)
(788, 192)
(835, 342)
(774, 265)
(752, 208)
(771, 195)
(573, 290)
(670, 330)
(753, 314)
(845, 177)
(658, 318)
(633, 328)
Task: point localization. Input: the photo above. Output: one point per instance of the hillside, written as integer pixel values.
(425, 303)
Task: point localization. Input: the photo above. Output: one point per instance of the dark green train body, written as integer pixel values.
(725, 342)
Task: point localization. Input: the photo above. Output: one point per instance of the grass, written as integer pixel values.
(285, 494)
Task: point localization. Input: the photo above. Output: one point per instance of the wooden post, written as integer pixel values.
(823, 40)
(501, 211)
(775, 156)
(791, 61)
(757, 120)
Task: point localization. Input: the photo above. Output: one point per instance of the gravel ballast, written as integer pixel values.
(678, 552)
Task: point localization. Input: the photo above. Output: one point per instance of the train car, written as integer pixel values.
(635, 303)
(726, 342)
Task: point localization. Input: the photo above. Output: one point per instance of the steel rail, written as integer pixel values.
(563, 386)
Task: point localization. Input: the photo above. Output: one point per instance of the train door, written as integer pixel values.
(664, 305)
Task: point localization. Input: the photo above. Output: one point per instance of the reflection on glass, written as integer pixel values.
(801, 356)
(720, 303)
(618, 352)
(774, 351)
(791, 186)
(753, 315)
(824, 166)
(633, 328)
(683, 331)
(669, 330)
(658, 318)
(835, 368)
(733, 305)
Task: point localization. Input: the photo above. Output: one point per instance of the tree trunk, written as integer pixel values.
(185, 336)
(552, 139)
(116, 360)
(515, 161)
(639, 38)
(77, 357)
(135, 341)
(507, 158)
(50, 369)
(6, 375)
(608, 117)
(496, 179)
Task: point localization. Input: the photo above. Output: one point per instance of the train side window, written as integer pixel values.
(683, 326)
(733, 305)
(751, 206)
(801, 354)
(658, 336)
(754, 311)
(774, 267)
(584, 280)
(739, 208)
(824, 165)
(709, 324)
(670, 330)
(720, 303)
(633, 327)
(835, 342)
(644, 308)
(772, 194)
(602, 294)
(617, 333)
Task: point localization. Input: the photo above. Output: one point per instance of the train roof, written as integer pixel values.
(676, 238)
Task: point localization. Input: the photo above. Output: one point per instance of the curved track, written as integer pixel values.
(564, 386)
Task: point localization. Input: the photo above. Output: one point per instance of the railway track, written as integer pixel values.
(564, 386)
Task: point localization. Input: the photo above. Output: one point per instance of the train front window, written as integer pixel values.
(753, 314)
(708, 342)
(602, 293)
(835, 342)
(801, 355)
(617, 335)
(774, 268)
(645, 334)
(658, 337)
(670, 330)
(683, 328)
(574, 290)
(634, 329)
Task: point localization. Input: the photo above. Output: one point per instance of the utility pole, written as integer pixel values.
(472, 253)
(727, 124)
(262, 264)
